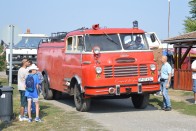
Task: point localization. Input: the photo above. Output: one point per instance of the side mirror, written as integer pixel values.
(153, 37)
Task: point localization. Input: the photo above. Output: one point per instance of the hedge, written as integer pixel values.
(2, 60)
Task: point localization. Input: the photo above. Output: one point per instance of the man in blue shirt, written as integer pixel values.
(166, 72)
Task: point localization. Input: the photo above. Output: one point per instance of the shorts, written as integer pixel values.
(32, 99)
(194, 85)
(23, 98)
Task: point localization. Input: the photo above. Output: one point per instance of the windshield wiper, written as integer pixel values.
(110, 39)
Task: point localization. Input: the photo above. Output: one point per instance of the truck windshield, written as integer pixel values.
(134, 41)
(106, 42)
(28, 42)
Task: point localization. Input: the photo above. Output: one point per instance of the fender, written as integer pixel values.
(78, 79)
(44, 72)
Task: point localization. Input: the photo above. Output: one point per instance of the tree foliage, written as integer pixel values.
(190, 22)
(2, 60)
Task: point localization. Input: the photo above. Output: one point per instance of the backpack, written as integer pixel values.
(29, 83)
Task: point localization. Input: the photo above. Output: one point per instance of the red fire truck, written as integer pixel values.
(99, 62)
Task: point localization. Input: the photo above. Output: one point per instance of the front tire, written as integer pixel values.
(81, 103)
(46, 91)
(140, 101)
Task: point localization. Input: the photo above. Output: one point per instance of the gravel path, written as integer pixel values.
(120, 115)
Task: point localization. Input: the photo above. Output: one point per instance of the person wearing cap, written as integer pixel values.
(138, 45)
(22, 73)
(33, 96)
(134, 45)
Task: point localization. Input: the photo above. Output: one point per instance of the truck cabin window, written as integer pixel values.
(80, 43)
(106, 42)
(28, 42)
(69, 44)
(134, 42)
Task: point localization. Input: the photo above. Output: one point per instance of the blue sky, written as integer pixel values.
(47, 16)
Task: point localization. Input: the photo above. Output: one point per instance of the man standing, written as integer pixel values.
(165, 79)
(193, 67)
(22, 73)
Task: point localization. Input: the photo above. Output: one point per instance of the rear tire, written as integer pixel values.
(140, 101)
(46, 91)
(81, 103)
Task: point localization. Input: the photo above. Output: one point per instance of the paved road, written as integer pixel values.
(120, 115)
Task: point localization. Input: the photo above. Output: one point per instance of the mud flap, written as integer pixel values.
(117, 90)
(139, 86)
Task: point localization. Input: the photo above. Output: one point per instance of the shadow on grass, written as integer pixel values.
(156, 102)
(190, 100)
(5, 124)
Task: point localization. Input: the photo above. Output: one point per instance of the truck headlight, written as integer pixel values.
(153, 67)
(98, 70)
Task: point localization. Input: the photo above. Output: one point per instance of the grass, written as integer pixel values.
(182, 107)
(53, 118)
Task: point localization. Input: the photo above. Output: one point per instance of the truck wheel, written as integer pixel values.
(57, 95)
(140, 101)
(81, 103)
(46, 91)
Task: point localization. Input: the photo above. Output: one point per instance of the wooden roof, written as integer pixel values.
(185, 38)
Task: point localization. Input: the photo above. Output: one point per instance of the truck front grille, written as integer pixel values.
(125, 71)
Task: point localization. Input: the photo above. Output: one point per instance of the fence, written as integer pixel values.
(183, 79)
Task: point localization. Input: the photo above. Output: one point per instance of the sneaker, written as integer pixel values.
(195, 102)
(30, 120)
(168, 109)
(37, 119)
(163, 108)
(23, 118)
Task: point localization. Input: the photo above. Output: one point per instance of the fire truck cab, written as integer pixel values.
(99, 62)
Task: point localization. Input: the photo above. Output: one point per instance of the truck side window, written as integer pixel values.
(80, 43)
(69, 44)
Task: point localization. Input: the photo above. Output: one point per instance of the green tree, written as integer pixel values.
(2, 60)
(190, 22)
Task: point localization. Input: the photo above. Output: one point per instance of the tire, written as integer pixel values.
(140, 101)
(57, 95)
(46, 91)
(81, 103)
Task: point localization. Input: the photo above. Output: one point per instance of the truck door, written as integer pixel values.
(73, 57)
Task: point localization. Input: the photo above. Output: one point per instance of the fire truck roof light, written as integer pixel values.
(135, 24)
(95, 27)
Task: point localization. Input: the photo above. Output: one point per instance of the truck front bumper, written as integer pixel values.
(117, 90)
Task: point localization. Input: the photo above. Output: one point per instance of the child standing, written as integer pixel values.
(32, 82)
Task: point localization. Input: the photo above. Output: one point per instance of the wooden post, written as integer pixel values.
(179, 57)
(175, 58)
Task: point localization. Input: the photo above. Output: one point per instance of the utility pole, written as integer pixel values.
(168, 17)
(168, 29)
(11, 52)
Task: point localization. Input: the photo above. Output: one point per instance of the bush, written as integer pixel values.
(2, 60)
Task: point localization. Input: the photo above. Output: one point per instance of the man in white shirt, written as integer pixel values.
(193, 67)
(22, 73)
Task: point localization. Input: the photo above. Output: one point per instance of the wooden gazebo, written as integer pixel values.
(182, 47)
